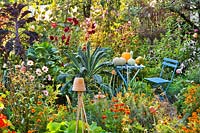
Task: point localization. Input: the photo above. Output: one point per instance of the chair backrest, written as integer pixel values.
(167, 62)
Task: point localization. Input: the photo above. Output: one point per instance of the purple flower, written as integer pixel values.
(196, 30)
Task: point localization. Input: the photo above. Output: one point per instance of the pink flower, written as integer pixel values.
(196, 30)
(38, 72)
(49, 77)
(45, 92)
(53, 25)
(178, 71)
(23, 69)
(45, 69)
(31, 78)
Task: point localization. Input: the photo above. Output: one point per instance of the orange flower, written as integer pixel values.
(184, 128)
(114, 100)
(115, 110)
(116, 105)
(51, 119)
(39, 103)
(31, 131)
(121, 109)
(198, 110)
(32, 110)
(152, 110)
(104, 117)
(194, 114)
(115, 116)
(121, 104)
(127, 112)
(179, 116)
(38, 120)
(40, 113)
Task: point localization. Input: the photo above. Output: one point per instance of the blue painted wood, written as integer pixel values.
(167, 62)
(158, 80)
(119, 70)
(170, 60)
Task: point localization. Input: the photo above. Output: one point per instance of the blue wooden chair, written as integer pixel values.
(162, 80)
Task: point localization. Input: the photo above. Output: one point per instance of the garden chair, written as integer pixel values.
(162, 79)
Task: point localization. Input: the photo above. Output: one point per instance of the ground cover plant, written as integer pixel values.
(44, 45)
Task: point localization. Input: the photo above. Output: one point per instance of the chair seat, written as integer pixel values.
(158, 80)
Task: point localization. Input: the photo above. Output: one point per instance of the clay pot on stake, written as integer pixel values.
(79, 87)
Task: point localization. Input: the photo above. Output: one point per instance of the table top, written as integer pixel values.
(127, 66)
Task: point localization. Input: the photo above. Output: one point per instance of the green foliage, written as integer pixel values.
(55, 127)
(88, 64)
(193, 74)
(178, 84)
(70, 127)
(46, 54)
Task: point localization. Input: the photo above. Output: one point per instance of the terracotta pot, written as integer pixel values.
(79, 84)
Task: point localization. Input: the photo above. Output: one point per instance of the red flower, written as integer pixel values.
(91, 31)
(63, 37)
(51, 37)
(53, 25)
(3, 121)
(66, 29)
(104, 117)
(67, 41)
(75, 21)
(56, 38)
(93, 25)
(68, 38)
(84, 48)
(70, 20)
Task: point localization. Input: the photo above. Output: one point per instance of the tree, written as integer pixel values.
(185, 8)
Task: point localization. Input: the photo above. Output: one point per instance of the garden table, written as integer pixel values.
(128, 68)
